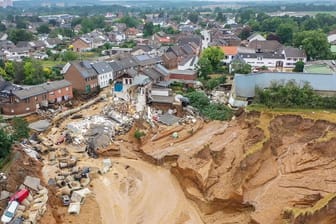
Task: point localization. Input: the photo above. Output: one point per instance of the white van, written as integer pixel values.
(9, 213)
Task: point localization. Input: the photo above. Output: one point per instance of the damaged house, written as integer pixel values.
(28, 100)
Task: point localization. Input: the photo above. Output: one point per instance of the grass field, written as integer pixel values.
(315, 114)
(321, 68)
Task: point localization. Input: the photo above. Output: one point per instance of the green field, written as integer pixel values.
(319, 68)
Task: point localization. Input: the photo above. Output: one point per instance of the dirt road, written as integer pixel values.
(137, 192)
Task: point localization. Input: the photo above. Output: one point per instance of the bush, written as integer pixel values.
(292, 95)
(139, 134)
(213, 111)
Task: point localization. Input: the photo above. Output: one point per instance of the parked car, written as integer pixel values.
(9, 212)
(20, 195)
(66, 200)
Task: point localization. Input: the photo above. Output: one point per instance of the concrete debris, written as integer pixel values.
(79, 196)
(28, 149)
(74, 208)
(4, 195)
(32, 183)
(168, 119)
(40, 125)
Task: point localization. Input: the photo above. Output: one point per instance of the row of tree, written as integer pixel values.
(291, 95)
(28, 72)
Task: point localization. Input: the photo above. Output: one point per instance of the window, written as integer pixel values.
(44, 97)
(288, 59)
(52, 93)
(27, 100)
(59, 91)
(67, 89)
(35, 98)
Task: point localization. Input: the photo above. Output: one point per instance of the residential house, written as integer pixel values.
(293, 55)
(146, 61)
(170, 60)
(157, 73)
(244, 86)
(162, 38)
(52, 42)
(188, 63)
(81, 44)
(122, 83)
(30, 99)
(105, 73)
(229, 53)
(265, 46)
(181, 75)
(81, 75)
(131, 33)
(255, 36)
(17, 54)
(89, 41)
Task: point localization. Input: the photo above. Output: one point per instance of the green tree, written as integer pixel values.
(245, 33)
(193, 17)
(44, 28)
(5, 143)
(4, 75)
(69, 56)
(220, 17)
(20, 129)
(129, 21)
(214, 56)
(241, 68)
(33, 73)
(314, 42)
(299, 66)
(204, 68)
(148, 29)
(285, 32)
(17, 35)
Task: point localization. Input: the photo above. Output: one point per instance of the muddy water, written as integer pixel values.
(137, 192)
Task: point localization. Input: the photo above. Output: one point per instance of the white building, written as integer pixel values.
(105, 73)
(188, 63)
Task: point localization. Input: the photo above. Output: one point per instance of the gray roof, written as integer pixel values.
(41, 89)
(141, 80)
(102, 67)
(161, 69)
(168, 119)
(146, 60)
(84, 68)
(294, 52)
(115, 66)
(265, 45)
(245, 85)
(184, 72)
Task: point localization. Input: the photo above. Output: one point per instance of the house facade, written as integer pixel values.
(105, 73)
(28, 100)
(81, 75)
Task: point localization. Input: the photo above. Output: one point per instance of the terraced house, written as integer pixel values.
(28, 100)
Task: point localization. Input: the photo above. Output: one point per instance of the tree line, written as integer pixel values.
(28, 72)
(291, 95)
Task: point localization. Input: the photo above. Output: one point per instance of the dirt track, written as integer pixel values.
(137, 192)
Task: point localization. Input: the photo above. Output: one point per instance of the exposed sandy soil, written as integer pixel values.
(137, 192)
(258, 169)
